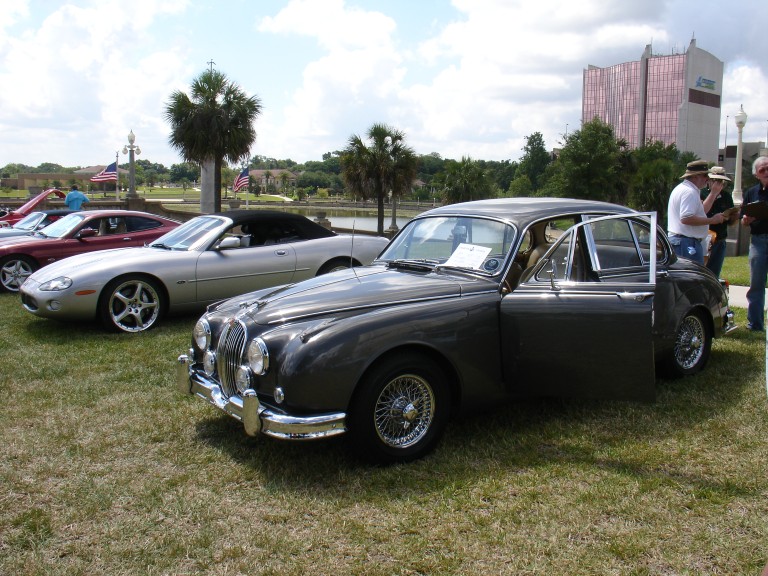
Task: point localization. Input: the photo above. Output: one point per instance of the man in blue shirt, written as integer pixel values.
(758, 246)
(75, 199)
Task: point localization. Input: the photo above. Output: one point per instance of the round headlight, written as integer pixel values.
(258, 356)
(202, 334)
(209, 362)
(243, 379)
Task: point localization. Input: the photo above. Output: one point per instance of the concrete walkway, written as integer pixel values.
(737, 296)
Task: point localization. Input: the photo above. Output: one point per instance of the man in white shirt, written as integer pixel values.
(687, 221)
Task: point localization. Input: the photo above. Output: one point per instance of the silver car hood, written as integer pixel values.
(349, 290)
(101, 260)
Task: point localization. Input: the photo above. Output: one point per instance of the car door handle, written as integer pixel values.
(635, 296)
(281, 252)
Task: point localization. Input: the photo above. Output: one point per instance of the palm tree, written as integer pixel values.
(465, 181)
(387, 165)
(214, 124)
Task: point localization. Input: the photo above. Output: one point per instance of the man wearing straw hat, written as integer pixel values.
(687, 220)
(722, 202)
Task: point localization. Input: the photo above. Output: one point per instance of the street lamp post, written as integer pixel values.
(741, 120)
(131, 149)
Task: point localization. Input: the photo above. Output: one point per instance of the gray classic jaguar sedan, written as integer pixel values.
(208, 258)
(470, 304)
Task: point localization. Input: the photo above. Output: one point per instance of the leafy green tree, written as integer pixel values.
(214, 124)
(588, 165)
(184, 171)
(520, 187)
(382, 166)
(652, 184)
(464, 181)
(535, 160)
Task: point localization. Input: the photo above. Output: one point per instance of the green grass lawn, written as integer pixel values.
(106, 469)
(736, 270)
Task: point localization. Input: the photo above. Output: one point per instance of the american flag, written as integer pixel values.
(241, 180)
(109, 174)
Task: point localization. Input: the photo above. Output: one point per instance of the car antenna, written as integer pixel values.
(351, 251)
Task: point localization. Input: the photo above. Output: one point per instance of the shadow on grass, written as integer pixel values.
(520, 437)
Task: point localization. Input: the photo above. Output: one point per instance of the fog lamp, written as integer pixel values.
(209, 362)
(243, 379)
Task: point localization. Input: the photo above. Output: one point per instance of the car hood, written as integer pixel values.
(12, 242)
(101, 261)
(348, 291)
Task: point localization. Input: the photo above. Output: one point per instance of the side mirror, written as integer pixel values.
(229, 242)
(86, 233)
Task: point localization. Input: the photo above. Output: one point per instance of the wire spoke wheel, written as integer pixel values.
(404, 411)
(400, 410)
(692, 345)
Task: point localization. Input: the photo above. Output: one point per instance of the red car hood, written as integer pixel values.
(19, 213)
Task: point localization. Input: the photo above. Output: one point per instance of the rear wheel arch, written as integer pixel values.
(338, 263)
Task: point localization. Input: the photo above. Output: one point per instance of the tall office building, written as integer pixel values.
(673, 99)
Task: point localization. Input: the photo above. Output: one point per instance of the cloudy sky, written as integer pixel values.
(459, 77)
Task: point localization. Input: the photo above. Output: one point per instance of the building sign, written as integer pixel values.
(702, 82)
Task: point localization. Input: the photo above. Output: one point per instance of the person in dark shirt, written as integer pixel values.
(723, 201)
(758, 246)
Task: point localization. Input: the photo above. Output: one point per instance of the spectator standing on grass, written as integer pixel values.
(723, 201)
(687, 220)
(758, 246)
(75, 199)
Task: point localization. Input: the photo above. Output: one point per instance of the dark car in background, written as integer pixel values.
(469, 305)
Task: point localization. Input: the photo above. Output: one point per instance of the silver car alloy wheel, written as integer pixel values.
(134, 306)
(14, 272)
(689, 346)
(404, 411)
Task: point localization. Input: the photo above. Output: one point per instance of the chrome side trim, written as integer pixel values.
(255, 417)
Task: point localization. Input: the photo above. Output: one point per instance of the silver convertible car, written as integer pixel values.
(206, 259)
(469, 305)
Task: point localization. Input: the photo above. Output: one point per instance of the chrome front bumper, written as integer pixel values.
(255, 417)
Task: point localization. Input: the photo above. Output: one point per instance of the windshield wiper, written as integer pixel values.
(160, 245)
(421, 264)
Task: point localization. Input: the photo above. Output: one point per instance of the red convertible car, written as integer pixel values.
(10, 217)
(74, 234)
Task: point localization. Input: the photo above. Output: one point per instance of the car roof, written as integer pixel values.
(523, 211)
(266, 217)
(116, 213)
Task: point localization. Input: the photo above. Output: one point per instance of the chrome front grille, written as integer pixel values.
(229, 354)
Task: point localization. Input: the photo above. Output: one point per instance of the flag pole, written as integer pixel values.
(247, 188)
(117, 176)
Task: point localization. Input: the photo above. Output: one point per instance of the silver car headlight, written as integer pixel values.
(56, 285)
(257, 356)
(201, 334)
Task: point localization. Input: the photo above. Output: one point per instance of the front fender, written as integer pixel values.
(320, 367)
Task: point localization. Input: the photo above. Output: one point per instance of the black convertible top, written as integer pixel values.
(308, 228)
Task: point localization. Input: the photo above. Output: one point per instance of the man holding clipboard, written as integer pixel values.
(754, 213)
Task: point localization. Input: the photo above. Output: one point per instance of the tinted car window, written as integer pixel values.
(138, 223)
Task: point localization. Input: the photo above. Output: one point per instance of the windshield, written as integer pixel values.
(63, 226)
(192, 234)
(457, 241)
(29, 221)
